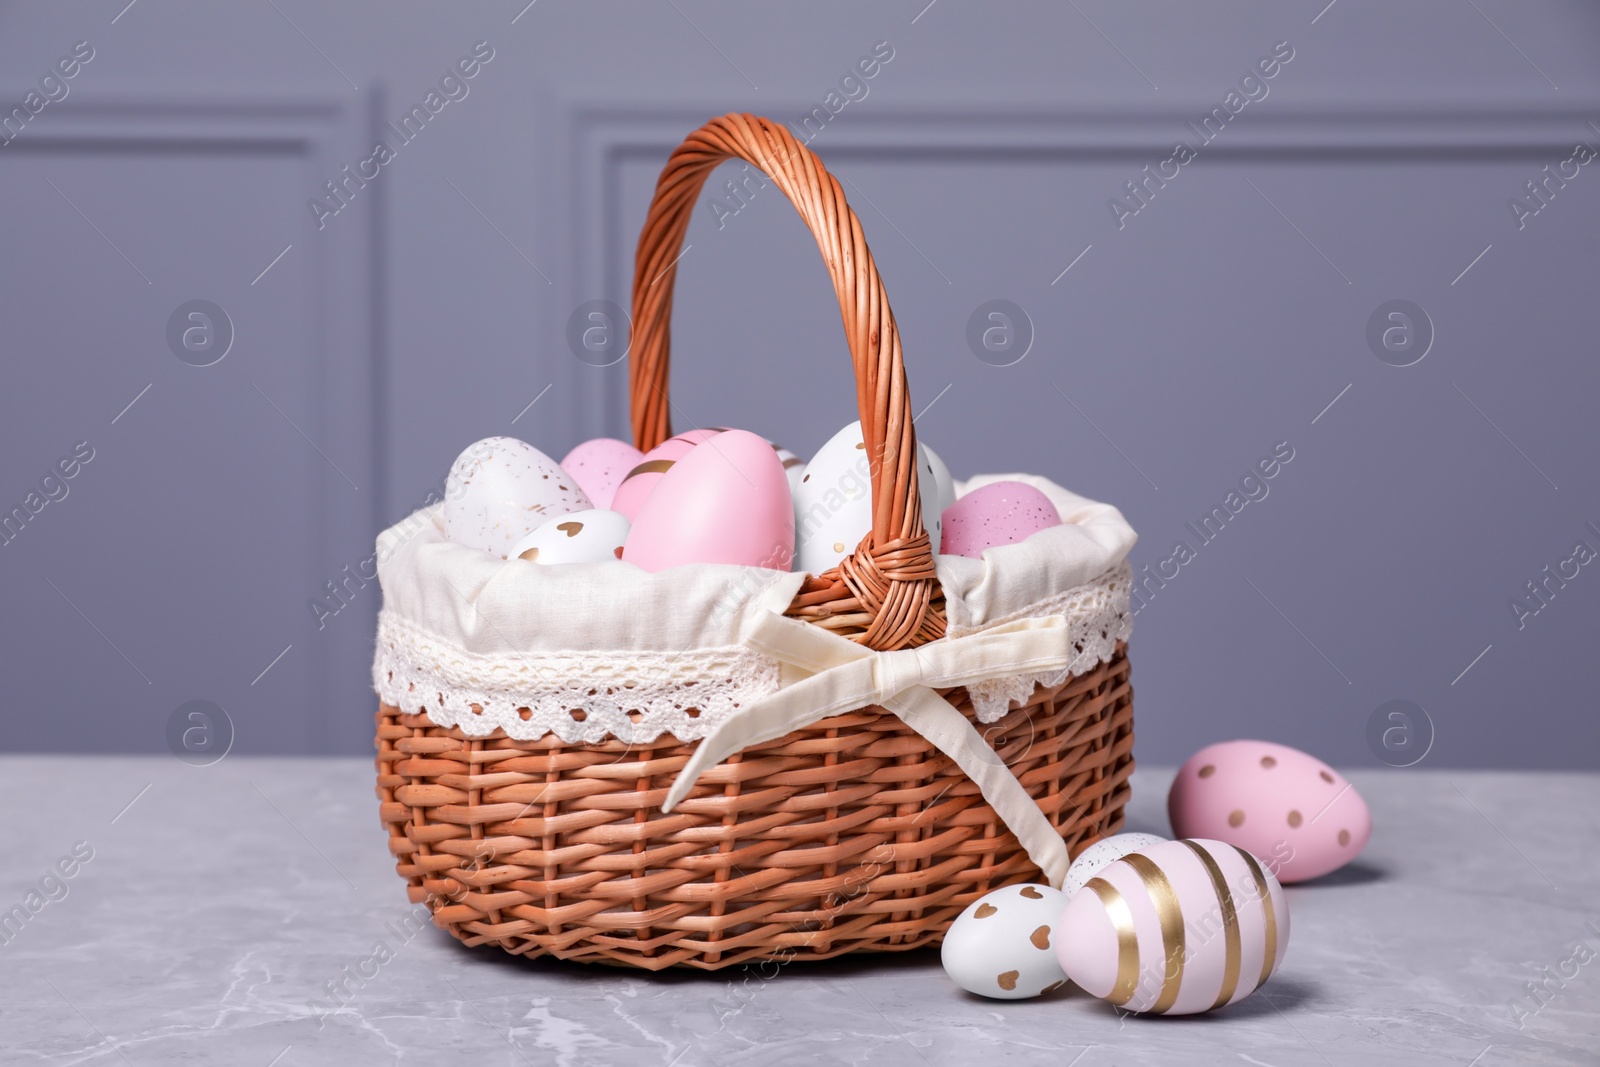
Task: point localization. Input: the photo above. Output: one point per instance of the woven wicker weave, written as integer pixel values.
(852, 834)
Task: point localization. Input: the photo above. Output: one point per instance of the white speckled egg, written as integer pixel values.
(1176, 928)
(1001, 946)
(1101, 854)
(833, 500)
(593, 536)
(501, 489)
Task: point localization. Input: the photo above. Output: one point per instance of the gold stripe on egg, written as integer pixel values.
(1230, 925)
(1170, 913)
(1127, 941)
(1270, 955)
(654, 466)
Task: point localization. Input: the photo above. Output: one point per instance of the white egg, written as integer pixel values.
(1102, 854)
(593, 536)
(1000, 946)
(833, 500)
(501, 489)
(938, 491)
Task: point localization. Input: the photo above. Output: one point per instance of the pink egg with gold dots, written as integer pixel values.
(1298, 814)
(1000, 513)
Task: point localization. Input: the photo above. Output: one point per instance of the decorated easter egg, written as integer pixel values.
(833, 501)
(501, 489)
(1002, 945)
(641, 479)
(600, 465)
(593, 536)
(1298, 814)
(725, 501)
(1176, 928)
(938, 491)
(1000, 513)
(1102, 854)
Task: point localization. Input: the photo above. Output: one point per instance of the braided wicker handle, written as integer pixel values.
(886, 594)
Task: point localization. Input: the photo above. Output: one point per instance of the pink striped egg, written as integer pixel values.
(641, 480)
(1176, 928)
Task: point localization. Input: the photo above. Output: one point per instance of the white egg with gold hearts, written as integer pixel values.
(1176, 928)
(592, 536)
(1001, 945)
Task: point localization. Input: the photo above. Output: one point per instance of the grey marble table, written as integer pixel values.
(220, 904)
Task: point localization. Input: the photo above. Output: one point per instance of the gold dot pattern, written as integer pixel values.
(1208, 770)
(1326, 777)
(1295, 820)
(1236, 818)
(1344, 838)
(1268, 762)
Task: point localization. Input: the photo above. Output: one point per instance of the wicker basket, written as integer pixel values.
(854, 834)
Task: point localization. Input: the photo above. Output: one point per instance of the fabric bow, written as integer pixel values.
(823, 674)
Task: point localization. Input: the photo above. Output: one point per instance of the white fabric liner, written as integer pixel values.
(482, 643)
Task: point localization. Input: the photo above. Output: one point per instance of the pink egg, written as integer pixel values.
(600, 465)
(641, 480)
(725, 501)
(1176, 928)
(1302, 817)
(642, 477)
(1000, 513)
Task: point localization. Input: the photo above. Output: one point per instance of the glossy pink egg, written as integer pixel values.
(1000, 513)
(725, 501)
(1302, 817)
(641, 480)
(600, 465)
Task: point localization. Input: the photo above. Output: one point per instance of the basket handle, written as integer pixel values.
(886, 594)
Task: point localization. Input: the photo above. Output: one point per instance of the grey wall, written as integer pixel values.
(1221, 319)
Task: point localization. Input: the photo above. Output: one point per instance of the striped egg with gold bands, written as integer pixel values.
(1176, 928)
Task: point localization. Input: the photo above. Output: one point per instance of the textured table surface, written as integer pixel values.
(221, 902)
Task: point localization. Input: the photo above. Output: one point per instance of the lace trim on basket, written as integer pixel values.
(1098, 614)
(586, 696)
(580, 696)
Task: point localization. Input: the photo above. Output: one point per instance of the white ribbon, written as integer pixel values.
(823, 674)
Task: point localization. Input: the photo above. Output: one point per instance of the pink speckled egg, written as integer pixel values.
(1000, 513)
(1176, 928)
(600, 465)
(726, 501)
(1302, 817)
(641, 479)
